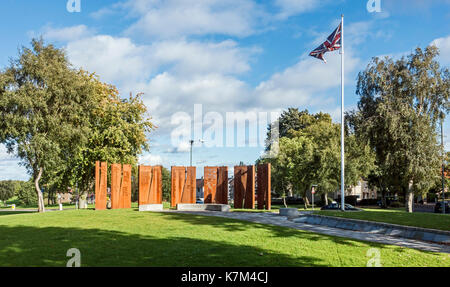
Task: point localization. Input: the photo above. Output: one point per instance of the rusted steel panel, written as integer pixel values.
(240, 174)
(210, 184)
(249, 200)
(178, 176)
(101, 173)
(126, 187)
(222, 185)
(189, 195)
(150, 185)
(100, 194)
(116, 180)
(264, 182)
(145, 177)
(156, 186)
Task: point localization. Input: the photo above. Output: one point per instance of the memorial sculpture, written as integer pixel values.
(150, 185)
(120, 185)
(183, 185)
(216, 185)
(244, 187)
(101, 177)
(263, 186)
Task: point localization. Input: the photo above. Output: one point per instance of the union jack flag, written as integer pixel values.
(331, 44)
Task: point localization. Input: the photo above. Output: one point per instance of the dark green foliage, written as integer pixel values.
(166, 184)
(26, 193)
(7, 189)
(400, 104)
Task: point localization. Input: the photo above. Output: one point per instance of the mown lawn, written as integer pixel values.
(418, 219)
(131, 238)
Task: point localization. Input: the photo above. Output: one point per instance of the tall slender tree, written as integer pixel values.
(43, 103)
(400, 104)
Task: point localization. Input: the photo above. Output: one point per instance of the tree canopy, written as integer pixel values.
(400, 105)
(309, 154)
(58, 120)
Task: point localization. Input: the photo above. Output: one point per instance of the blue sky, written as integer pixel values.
(229, 56)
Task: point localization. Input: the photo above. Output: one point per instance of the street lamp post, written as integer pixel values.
(192, 144)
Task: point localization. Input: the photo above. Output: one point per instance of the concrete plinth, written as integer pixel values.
(289, 212)
(151, 207)
(203, 207)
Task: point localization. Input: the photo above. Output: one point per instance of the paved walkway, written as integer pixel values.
(275, 219)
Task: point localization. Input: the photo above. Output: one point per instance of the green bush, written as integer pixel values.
(26, 193)
(7, 190)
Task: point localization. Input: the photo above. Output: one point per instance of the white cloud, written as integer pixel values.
(114, 59)
(200, 57)
(444, 48)
(173, 74)
(150, 159)
(67, 34)
(174, 18)
(292, 7)
(307, 83)
(9, 166)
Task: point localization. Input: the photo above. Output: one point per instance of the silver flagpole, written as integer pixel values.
(342, 118)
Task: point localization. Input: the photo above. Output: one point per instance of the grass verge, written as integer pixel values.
(131, 238)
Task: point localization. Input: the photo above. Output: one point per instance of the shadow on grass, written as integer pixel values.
(30, 246)
(2, 213)
(236, 225)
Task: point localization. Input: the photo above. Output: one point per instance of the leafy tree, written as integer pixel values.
(26, 193)
(400, 104)
(117, 134)
(296, 156)
(7, 190)
(323, 166)
(43, 103)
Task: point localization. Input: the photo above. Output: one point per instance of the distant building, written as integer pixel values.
(66, 197)
(361, 190)
(230, 189)
(199, 192)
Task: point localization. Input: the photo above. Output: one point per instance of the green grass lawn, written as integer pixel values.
(396, 216)
(131, 238)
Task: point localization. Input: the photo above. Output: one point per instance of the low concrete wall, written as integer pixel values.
(151, 207)
(203, 207)
(289, 212)
(425, 234)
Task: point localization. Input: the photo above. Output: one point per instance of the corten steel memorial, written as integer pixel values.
(125, 190)
(244, 187)
(222, 185)
(101, 177)
(216, 185)
(210, 184)
(116, 178)
(120, 186)
(183, 185)
(150, 185)
(264, 186)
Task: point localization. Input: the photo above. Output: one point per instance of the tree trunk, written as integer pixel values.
(383, 198)
(284, 200)
(305, 200)
(41, 206)
(409, 199)
(325, 199)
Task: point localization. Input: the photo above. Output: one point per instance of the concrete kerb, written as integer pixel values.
(395, 230)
